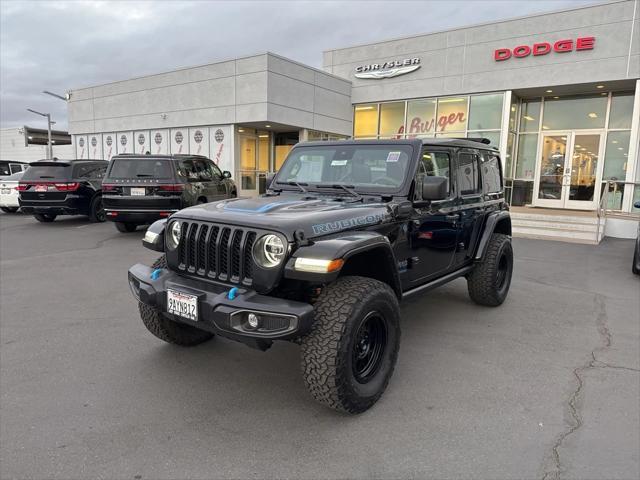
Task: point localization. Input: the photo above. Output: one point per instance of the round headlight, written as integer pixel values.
(269, 251)
(174, 233)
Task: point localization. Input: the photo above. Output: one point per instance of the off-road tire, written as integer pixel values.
(486, 284)
(9, 209)
(44, 217)
(327, 352)
(96, 210)
(126, 227)
(167, 330)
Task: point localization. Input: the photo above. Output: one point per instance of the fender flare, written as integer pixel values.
(344, 246)
(489, 227)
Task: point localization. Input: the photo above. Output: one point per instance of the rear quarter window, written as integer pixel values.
(490, 172)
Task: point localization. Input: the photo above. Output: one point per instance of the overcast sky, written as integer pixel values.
(58, 46)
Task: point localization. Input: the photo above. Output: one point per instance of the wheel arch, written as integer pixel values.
(496, 222)
(366, 254)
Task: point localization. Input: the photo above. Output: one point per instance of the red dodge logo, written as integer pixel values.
(542, 48)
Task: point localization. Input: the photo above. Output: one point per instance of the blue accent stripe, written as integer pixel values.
(262, 209)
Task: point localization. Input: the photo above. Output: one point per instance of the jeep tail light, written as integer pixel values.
(67, 187)
(178, 187)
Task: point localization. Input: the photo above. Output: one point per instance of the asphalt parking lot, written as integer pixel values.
(546, 385)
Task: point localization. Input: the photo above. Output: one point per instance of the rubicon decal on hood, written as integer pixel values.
(338, 225)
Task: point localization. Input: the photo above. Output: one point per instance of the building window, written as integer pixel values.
(452, 114)
(526, 164)
(574, 113)
(616, 155)
(485, 112)
(421, 118)
(365, 122)
(621, 111)
(392, 120)
(530, 116)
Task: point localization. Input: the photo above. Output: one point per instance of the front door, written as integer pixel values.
(568, 171)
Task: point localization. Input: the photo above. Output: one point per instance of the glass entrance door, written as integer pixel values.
(568, 170)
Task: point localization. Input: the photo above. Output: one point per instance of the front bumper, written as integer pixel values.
(142, 217)
(280, 319)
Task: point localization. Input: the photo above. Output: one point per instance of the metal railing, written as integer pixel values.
(603, 210)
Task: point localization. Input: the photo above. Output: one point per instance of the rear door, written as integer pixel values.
(471, 206)
(141, 183)
(47, 181)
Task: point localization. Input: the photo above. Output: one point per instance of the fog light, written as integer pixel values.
(253, 321)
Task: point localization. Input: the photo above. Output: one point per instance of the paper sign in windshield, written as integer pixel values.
(393, 157)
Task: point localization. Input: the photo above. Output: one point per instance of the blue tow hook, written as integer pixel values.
(156, 273)
(232, 293)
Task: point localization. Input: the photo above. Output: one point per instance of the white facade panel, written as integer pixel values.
(179, 141)
(199, 141)
(221, 146)
(95, 146)
(82, 147)
(109, 145)
(160, 142)
(142, 142)
(125, 142)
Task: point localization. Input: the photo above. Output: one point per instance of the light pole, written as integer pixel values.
(50, 149)
(66, 96)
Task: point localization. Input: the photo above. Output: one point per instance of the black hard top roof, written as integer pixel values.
(481, 143)
(159, 156)
(61, 161)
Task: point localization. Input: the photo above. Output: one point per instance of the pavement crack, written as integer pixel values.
(606, 340)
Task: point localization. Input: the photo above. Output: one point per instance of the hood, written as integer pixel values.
(287, 213)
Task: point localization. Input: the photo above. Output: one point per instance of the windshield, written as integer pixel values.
(140, 168)
(368, 168)
(48, 172)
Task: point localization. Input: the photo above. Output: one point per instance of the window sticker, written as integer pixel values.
(338, 163)
(393, 157)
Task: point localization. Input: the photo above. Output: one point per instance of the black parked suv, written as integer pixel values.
(50, 188)
(140, 189)
(345, 232)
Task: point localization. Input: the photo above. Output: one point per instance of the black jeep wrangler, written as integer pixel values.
(345, 231)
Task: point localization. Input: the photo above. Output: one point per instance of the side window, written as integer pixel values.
(467, 174)
(434, 164)
(490, 168)
(187, 170)
(205, 172)
(83, 171)
(216, 170)
(15, 167)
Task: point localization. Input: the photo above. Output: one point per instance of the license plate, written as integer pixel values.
(41, 188)
(6, 191)
(182, 304)
(138, 192)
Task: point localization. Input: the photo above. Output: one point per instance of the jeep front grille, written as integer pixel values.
(217, 252)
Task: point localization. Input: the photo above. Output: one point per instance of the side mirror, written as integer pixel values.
(637, 204)
(269, 179)
(226, 174)
(435, 188)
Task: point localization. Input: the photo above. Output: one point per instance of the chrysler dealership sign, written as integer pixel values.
(389, 69)
(543, 48)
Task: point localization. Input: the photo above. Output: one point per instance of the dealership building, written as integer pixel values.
(558, 93)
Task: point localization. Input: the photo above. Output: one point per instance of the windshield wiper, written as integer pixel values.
(346, 188)
(296, 184)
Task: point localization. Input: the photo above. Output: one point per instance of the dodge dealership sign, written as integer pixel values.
(544, 48)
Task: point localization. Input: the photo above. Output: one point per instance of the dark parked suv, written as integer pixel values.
(345, 232)
(50, 188)
(140, 189)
